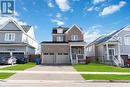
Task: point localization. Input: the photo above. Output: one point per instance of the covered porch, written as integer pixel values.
(112, 54)
(77, 52)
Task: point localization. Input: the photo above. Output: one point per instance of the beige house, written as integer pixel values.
(67, 46)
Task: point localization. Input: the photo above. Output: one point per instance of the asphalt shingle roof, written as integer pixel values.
(54, 31)
(102, 39)
(26, 28)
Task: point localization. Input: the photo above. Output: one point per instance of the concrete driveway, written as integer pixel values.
(32, 76)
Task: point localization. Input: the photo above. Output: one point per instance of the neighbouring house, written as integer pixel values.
(16, 40)
(111, 49)
(67, 46)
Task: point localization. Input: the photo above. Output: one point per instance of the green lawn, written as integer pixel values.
(16, 67)
(101, 68)
(106, 77)
(19, 66)
(5, 75)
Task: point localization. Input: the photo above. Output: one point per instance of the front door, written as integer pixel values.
(111, 53)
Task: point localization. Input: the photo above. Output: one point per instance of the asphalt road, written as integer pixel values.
(63, 84)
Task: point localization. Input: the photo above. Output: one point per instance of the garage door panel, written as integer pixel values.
(62, 59)
(48, 59)
(4, 54)
(18, 54)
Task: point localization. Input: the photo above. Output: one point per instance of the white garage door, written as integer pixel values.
(18, 55)
(48, 58)
(62, 58)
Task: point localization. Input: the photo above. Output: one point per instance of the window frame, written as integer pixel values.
(59, 38)
(127, 39)
(74, 37)
(9, 36)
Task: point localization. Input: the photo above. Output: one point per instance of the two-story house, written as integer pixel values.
(67, 46)
(111, 49)
(16, 40)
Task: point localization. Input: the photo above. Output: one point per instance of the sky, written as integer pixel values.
(95, 17)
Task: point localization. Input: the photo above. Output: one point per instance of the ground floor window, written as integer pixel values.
(59, 53)
(45, 53)
(51, 53)
(65, 53)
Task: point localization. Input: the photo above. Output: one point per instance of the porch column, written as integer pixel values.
(11, 53)
(107, 51)
(70, 55)
(42, 57)
(84, 53)
(119, 57)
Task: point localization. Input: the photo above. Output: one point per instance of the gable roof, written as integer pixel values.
(102, 39)
(65, 29)
(54, 31)
(22, 28)
(96, 41)
(74, 26)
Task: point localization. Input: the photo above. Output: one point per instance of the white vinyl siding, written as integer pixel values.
(127, 40)
(59, 38)
(9, 36)
(120, 40)
(74, 37)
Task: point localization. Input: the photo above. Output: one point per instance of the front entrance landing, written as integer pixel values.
(23, 76)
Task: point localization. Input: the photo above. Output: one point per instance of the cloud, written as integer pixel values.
(94, 27)
(50, 4)
(16, 13)
(4, 19)
(98, 1)
(93, 33)
(25, 9)
(111, 32)
(76, 0)
(58, 15)
(63, 5)
(57, 22)
(90, 9)
(112, 9)
(93, 8)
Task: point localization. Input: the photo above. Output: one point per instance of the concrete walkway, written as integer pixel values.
(3, 66)
(32, 76)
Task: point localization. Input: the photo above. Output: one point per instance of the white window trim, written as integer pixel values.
(59, 38)
(59, 31)
(126, 42)
(112, 49)
(74, 37)
(7, 36)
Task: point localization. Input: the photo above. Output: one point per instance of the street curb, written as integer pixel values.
(73, 81)
(109, 81)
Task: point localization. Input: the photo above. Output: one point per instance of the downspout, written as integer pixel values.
(71, 55)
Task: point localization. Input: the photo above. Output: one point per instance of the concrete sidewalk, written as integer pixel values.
(61, 84)
(3, 66)
(32, 76)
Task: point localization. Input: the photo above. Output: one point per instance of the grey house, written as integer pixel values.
(16, 40)
(111, 49)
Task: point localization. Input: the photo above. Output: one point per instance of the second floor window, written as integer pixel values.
(127, 40)
(74, 37)
(59, 38)
(9, 36)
